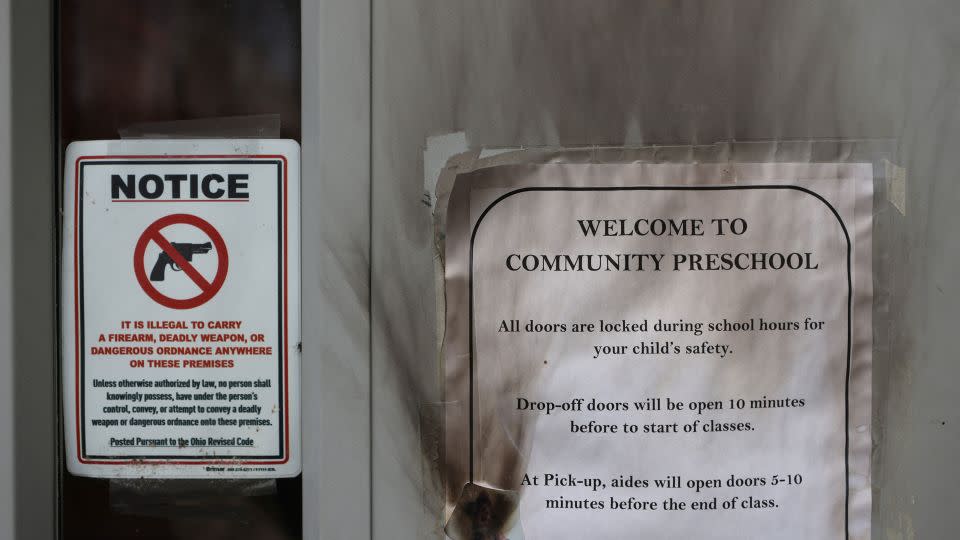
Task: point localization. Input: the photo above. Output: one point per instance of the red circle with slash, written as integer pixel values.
(207, 289)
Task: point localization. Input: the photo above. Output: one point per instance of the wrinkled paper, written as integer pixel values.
(661, 350)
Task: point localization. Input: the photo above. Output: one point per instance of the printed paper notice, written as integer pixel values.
(640, 357)
(181, 308)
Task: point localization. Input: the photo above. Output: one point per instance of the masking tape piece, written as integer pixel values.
(896, 184)
(439, 149)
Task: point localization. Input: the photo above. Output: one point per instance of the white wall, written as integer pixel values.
(550, 72)
(336, 255)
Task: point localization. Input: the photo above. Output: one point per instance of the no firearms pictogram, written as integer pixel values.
(179, 256)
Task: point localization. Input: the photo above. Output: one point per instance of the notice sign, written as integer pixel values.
(181, 310)
(650, 351)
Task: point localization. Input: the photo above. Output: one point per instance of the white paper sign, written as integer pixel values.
(181, 310)
(659, 354)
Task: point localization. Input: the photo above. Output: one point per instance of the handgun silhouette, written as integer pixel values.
(187, 251)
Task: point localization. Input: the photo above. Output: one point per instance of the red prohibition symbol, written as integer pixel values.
(152, 234)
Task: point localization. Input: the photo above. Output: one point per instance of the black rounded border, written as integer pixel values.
(843, 226)
(283, 353)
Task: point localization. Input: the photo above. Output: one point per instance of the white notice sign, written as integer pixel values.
(647, 351)
(180, 308)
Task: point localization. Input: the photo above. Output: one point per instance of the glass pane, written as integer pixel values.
(179, 68)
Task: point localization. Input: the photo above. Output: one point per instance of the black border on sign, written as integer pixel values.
(476, 228)
(219, 458)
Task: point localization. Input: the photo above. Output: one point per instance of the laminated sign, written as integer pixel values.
(181, 310)
(669, 351)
